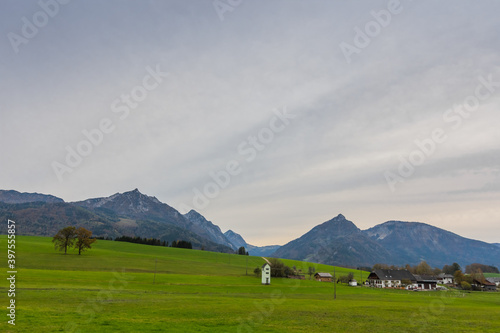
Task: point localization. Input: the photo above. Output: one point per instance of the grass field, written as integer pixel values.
(491, 275)
(114, 288)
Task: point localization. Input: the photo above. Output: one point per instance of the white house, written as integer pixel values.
(266, 274)
(353, 283)
(390, 278)
(445, 278)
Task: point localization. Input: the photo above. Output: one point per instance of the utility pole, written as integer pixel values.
(154, 276)
(334, 284)
(246, 272)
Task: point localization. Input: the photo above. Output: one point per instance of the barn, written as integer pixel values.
(323, 277)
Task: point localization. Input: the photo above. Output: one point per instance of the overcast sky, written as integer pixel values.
(302, 110)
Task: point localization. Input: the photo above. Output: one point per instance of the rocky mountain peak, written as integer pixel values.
(134, 204)
(132, 201)
(207, 229)
(337, 241)
(337, 227)
(192, 214)
(235, 239)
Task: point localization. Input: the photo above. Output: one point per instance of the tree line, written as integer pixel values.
(425, 269)
(484, 268)
(139, 240)
(82, 240)
(155, 242)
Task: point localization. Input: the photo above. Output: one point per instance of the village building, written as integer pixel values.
(495, 280)
(323, 277)
(426, 282)
(445, 278)
(390, 278)
(353, 283)
(266, 274)
(484, 285)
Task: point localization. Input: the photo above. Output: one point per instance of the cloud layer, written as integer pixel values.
(353, 117)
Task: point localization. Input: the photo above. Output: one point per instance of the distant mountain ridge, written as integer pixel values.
(130, 213)
(235, 239)
(340, 242)
(416, 241)
(337, 241)
(261, 251)
(15, 197)
(134, 204)
(207, 229)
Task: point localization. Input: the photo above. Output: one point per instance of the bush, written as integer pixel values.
(279, 269)
(257, 271)
(346, 278)
(465, 285)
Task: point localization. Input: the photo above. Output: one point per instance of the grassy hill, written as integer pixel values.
(114, 288)
(491, 274)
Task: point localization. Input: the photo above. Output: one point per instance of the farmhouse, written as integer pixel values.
(353, 283)
(390, 278)
(266, 274)
(445, 278)
(426, 282)
(484, 285)
(495, 280)
(323, 277)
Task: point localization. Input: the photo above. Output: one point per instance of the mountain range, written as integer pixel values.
(337, 241)
(14, 197)
(131, 214)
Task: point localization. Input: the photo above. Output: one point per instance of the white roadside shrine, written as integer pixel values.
(266, 274)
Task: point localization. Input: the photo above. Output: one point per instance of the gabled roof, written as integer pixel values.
(392, 274)
(484, 283)
(448, 276)
(266, 264)
(324, 275)
(425, 278)
(493, 279)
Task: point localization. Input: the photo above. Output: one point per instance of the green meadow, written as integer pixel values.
(491, 275)
(122, 287)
